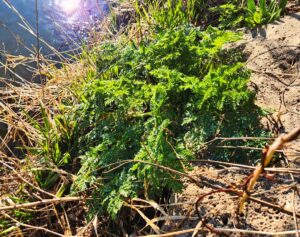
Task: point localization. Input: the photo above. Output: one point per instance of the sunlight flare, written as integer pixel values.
(69, 6)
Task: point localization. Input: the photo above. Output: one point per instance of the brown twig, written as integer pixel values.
(42, 202)
(278, 170)
(146, 219)
(277, 145)
(223, 230)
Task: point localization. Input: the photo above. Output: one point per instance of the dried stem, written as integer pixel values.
(42, 202)
(223, 230)
(277, 145)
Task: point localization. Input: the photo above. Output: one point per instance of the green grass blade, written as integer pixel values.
(262, 6)
(251, 6)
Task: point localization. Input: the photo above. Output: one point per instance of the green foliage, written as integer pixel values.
(249, 13)
(147, 102)
(58, 142)
(163, 15)
(232, 14)
(263, 13)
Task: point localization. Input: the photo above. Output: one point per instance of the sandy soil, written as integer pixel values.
(274, 57)
(219, 209)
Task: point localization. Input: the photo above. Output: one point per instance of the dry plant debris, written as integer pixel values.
(266, 159)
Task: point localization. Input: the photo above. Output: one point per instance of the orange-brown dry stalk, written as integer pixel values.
(277, 145)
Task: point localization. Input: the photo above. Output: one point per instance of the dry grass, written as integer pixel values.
(20, 107)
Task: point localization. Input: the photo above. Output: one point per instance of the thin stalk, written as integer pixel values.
(38, 44)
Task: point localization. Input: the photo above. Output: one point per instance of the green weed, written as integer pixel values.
(263, 12)
(161, 15)
(249, 13)
(147, 103)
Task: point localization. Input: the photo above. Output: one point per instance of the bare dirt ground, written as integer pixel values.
(218, 210)
(274, 58)
(275, 63)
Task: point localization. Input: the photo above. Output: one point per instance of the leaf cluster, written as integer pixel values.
(250, 13)
(262, 12)
(152, 102)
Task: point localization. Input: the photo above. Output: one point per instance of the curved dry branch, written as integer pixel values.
(268, 155)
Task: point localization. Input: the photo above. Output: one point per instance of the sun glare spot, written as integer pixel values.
(69, 6)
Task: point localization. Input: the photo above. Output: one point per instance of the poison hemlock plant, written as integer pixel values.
(150, 102)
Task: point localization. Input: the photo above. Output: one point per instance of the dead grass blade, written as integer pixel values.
(154, 227)
(42, 202)
(152, 203)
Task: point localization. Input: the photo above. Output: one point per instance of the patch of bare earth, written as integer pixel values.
(219, 210)
(275, 64)
(274, 58)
